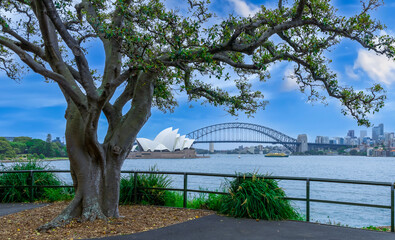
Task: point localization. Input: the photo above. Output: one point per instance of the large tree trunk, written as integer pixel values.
(96, 180)
(96, 168)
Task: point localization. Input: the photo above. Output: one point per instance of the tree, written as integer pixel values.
(49, 138)
(152, 52)
(353, 152)
(19, 147)
(6, 150)
(22, 139)
(37, 146)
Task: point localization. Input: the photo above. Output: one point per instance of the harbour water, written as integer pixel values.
(337, 167)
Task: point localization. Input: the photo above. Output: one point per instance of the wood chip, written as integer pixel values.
(136, 218)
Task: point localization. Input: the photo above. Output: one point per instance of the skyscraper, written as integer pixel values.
(363, 134)
(377, 131)
(381, 126)
(351, 133)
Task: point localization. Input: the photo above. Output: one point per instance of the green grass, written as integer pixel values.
(208, 201)
(16, 194)
(380, 229)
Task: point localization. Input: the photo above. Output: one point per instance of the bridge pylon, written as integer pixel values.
(211, 147)
(303, 146)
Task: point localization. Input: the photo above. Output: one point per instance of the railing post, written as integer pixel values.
(308, 200)
(185, 190)
(392, 207)
(135, 188)
(31, 183)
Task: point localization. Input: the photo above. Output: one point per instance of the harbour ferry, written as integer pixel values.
(276, 155)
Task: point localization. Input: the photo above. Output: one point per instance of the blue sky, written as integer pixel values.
(35, 108)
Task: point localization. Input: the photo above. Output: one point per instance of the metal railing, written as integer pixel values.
(185, 189)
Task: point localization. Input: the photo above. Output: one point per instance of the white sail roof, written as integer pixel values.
(163, 134)
(160, 147)
(146, 144)
(180, 143)
(188, 143)
(167, 139)
(170, 139)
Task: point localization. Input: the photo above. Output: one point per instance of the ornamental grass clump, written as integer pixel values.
(258, 198)
(18, 194)
(145, 196)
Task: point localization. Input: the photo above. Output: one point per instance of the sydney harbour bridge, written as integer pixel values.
(236, 132)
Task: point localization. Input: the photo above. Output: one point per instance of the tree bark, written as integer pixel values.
(96, 181)
(96, 168)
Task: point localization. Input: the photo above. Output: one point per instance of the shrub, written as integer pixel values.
(257, 198)
(22, 179)
(145, 196)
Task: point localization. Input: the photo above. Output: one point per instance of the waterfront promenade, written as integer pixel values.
(215, 227)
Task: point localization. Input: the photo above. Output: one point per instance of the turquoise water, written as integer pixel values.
(338, 167)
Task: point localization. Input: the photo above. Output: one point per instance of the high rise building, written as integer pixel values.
(388, 139)
(377, 132)
(381, 126)
(351, 133)
(322, 139)
(363, 134)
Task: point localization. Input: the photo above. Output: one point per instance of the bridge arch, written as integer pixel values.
(260, 134)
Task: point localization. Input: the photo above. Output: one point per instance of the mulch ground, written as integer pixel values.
(136, 218)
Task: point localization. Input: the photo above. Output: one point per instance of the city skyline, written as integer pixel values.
(35, 108)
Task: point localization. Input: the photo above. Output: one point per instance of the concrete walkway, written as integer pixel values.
(9, 208)
(216, 227)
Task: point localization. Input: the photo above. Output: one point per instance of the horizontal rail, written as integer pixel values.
(37, 186)
(28, 171)
(185, 190)
(362, 182)
(287, 198)
(181, 189)
(351, 203)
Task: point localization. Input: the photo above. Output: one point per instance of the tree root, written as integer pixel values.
(90, 212)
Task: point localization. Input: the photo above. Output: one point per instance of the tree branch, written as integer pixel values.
(82, 63)
(226, 59)
(25, 44)
(26, 58)
(299, 10)
(127, 94)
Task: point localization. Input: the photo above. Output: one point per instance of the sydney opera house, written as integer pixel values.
(167, 144)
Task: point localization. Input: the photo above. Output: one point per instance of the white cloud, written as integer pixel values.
(351, 73)
(290, 83)
(378, 67)
(244, 9)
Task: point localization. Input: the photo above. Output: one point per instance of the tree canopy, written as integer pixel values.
(152, 52)
(144, 35)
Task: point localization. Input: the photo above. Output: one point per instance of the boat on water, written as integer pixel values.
(276, 155)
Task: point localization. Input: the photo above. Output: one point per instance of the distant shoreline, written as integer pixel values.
(15, 161)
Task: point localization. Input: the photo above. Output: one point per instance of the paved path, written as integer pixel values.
(8, 208)
(216, 227)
